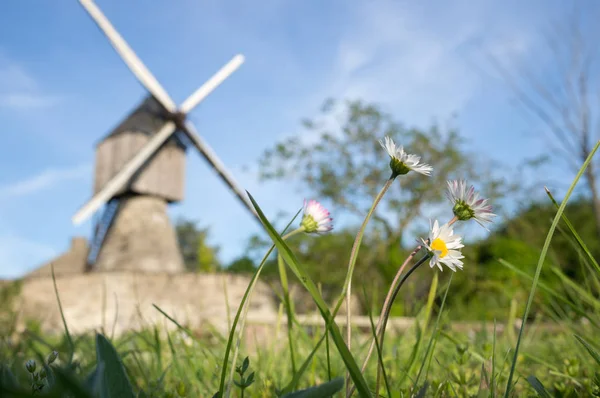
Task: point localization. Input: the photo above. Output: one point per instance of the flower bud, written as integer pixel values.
(52, 357)
(30, 366)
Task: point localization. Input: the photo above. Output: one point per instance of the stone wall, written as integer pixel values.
(71, 262)
(93, 300)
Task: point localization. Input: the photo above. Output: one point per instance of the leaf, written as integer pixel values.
(321, 391)
(69, 383)
(538, 387)
(245, 365)
(7, 379)
(250, 379)
(589, 348)
(92, 381)
(50, 379)
(114, 381)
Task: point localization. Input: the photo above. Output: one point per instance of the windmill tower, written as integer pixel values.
(139, 170)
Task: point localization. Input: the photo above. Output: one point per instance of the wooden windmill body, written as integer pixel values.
(140, 169)
(135, 232)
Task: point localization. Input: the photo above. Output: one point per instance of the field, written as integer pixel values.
(544, 344)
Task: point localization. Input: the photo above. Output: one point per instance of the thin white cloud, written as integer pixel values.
(414, 61)
(19, 90)
(44, 180)
(27, 101)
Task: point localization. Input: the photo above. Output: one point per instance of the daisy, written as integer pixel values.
(467, 204)
(316, 218)
(402, 162)
(445, 247)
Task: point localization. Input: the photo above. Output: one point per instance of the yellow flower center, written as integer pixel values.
(440, 245)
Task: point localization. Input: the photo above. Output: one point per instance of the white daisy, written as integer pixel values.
(316, 218)
(402, 162)
(445, 247)
(467, 204)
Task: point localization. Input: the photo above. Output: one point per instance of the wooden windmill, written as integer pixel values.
(140, 169)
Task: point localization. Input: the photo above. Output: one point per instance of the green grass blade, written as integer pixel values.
(288, 309)
(238, 314)
(589, 348)
(434, 332)
(582, 293)
(538, 387)
(412, 359)
(62, 316)
(320, 391)
(557, 295)
(296, 379)
(540, 264)
(492, 384)
(115, 382)
(377, 347)
(235, 322)
(307, 282)
(580, 241)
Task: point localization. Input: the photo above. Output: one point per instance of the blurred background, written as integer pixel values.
(504, 94)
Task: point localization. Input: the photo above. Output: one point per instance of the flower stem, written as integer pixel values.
(288, 308)
(386, 315)
(352, 263)
(386, 304)
(286, 298)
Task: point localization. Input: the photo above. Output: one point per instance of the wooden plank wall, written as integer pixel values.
(163, 176)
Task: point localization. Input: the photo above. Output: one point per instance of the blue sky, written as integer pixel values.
(62, 87)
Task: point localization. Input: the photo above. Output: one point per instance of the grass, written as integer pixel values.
(558, 356)
(455, 364)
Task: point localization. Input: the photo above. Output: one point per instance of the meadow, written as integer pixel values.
(544, 342)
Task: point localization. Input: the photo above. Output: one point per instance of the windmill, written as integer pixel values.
(140, 169)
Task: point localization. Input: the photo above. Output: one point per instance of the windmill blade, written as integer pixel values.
(219, 167)
(211, 84)
(121, 178)
(129, 57)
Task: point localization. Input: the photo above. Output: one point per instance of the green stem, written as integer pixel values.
(386, 315)
(286, 298)
(540, 264)
(245, 305)
(288, 308)
(352, 263)
(434, 332)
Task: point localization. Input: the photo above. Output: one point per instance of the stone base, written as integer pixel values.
(141, 238)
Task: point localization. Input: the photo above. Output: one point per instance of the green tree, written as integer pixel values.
(241, 265)
(198, 254)
(345, 164)
(486, 290)
(338, 160)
